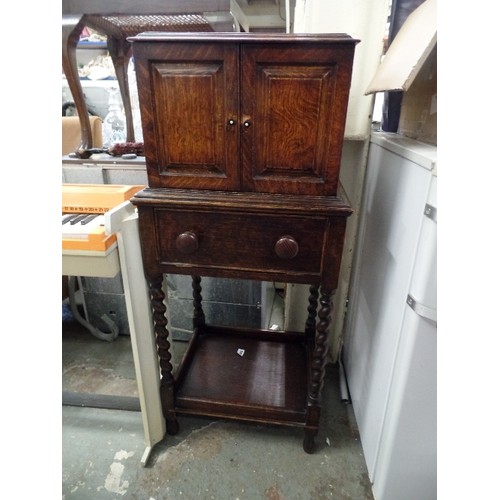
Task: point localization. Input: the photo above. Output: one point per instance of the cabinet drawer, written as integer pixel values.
(240, 241)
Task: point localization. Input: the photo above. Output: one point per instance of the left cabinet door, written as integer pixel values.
(189, 111)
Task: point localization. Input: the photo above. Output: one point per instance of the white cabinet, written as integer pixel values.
(390, 341)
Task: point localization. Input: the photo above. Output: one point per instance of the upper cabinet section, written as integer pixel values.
(244, 112)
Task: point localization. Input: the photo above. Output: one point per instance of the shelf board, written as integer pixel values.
(267, 383)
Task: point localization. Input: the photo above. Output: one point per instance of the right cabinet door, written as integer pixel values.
(292, 110)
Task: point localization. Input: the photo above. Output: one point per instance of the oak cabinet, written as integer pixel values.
(243, 138)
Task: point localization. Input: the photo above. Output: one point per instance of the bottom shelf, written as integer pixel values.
(251, 375)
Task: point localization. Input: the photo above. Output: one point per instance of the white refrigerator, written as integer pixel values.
(390, 341)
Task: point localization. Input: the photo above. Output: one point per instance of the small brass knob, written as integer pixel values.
(231, 121)
(286, 247)
(187, 242)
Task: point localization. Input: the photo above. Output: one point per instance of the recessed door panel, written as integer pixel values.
(190, 97)
(293, 100)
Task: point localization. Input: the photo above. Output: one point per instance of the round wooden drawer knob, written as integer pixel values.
(286, 247)
(187, 242)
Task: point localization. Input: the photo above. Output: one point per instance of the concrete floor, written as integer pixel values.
(207, 459)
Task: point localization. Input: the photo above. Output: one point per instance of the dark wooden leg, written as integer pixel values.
(317, 371)
(198, 314)
(312, 310)
(163, 346)
(120, 51)
(71, 28)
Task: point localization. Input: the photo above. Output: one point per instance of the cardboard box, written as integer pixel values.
(72, 133)
(410, 65)
(418, 118)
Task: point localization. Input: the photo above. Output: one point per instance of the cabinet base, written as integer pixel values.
(258, 376)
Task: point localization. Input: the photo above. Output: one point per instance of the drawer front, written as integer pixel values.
(252, 242)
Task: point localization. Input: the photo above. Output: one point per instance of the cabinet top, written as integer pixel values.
(159, 36)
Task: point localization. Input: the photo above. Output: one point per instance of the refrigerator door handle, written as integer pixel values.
(430, 212)
(422, 310)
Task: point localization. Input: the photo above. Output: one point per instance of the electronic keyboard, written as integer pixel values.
(83, 206)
